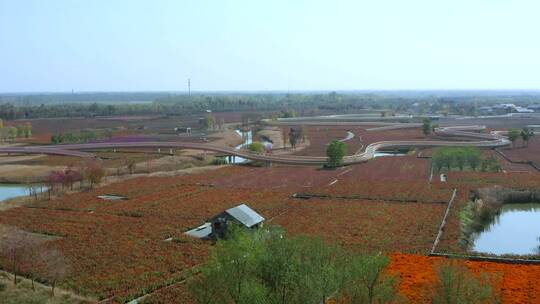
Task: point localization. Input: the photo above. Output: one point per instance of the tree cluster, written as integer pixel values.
(267, 266)
(461, 158)
(64, 179)
(24, 254)
(81, 136)
(15, 131)
(525, 134)
(60, 180)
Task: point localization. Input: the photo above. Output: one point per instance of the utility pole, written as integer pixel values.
(189, 86)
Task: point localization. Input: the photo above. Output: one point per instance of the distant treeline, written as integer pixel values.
(104, 104)
(99, 97)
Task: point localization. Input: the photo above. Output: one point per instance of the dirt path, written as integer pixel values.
(5, 159)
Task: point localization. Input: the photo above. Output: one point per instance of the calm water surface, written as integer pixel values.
(8, 191)
(516, 230)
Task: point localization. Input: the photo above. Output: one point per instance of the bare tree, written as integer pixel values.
(130, 164)
(55, 266)
(285, 136)
(94, 172)
(13, 246)
(31, 258)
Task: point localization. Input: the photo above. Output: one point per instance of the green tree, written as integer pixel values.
(256, 147)
(267, 266)
(473, 157)
(336, 151)
(526, 135)
(229, 275)
(513, 135)
(1, 123)
(366, 282)
(456, 284)
(12, 132)
(279, 267)
(490, 164)
(426, 126)
(208, 122)
(456, 157)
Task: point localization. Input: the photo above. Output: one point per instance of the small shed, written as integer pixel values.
(240, 214)
(216, 227)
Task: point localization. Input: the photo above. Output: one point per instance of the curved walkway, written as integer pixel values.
(491, 140)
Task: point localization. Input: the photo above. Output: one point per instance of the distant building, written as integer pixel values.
(182, 130)
(218, 226)
(505, 108)
(523, 110)
(534, 107)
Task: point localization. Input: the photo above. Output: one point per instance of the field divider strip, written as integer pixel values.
(443, 223)
(486, 258)
(307, 196)
(530, 163)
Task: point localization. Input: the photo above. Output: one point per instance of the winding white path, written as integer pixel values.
(491, 140)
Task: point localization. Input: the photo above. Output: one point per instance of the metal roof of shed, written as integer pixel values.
(201, 232)
(245, 215)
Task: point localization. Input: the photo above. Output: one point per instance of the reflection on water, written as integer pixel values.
(516, 230)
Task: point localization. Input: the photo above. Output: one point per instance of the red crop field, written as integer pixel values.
(110, 255)
(366, 226)
(519, 283)
(529, 153)
(320, 136)
(394, 209)
(386, 191)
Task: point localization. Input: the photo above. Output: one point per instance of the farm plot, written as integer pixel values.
(366, 226)
(529, 153)
(112, 255)
(320, 136)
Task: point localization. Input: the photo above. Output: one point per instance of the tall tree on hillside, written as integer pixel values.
(513, 135)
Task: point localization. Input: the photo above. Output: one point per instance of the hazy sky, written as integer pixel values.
(104, 45)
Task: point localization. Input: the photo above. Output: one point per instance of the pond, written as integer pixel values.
(382, 154)
(516, 230)
(8, 191)
(247, 138)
